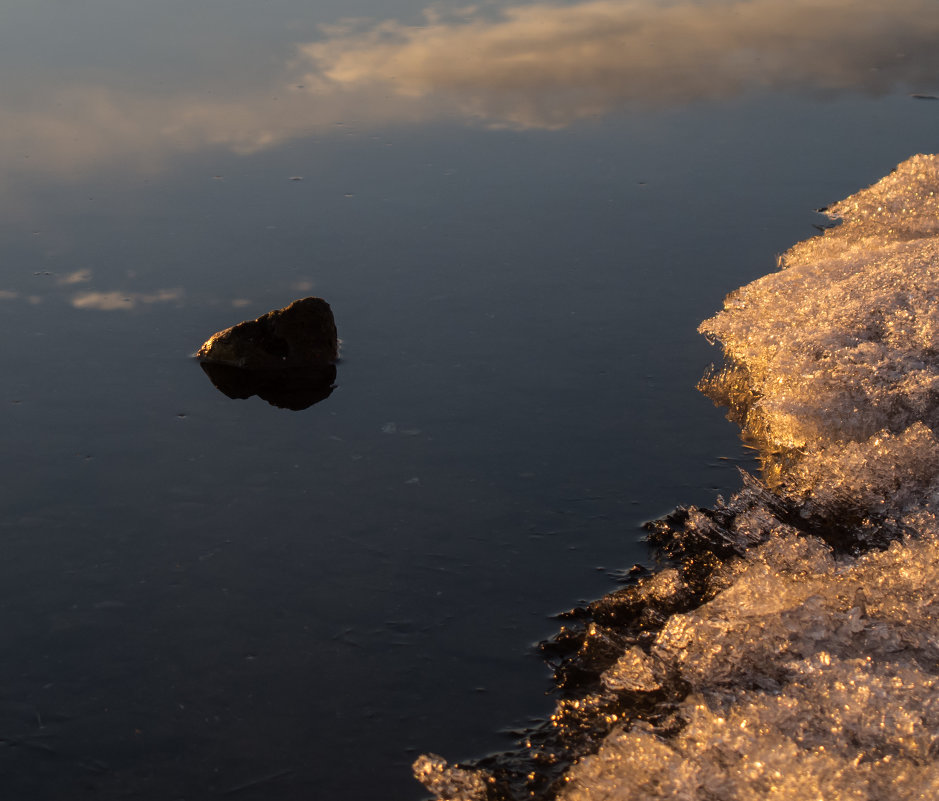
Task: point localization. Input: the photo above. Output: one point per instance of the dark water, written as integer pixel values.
(205, 597)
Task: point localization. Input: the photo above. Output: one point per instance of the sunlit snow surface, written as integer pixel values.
(790, 649)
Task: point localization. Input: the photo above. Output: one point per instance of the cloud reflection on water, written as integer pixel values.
(525, 66)
(113, 301)
(546, 65)
(76, 277)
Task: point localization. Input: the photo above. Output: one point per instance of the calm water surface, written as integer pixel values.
(519, 224)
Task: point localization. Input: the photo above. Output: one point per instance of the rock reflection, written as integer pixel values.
(295, 389)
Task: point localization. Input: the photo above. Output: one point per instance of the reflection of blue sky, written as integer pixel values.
(534, 65)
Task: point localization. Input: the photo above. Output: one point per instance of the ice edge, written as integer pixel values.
(789, 645)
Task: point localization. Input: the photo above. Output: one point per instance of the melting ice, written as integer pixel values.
(790, 648)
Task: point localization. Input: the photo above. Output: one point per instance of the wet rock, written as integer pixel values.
(285, 357)
(300, 335)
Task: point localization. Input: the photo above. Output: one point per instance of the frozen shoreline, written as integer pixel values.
(790, 647)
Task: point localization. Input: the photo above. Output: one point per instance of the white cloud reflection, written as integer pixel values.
(546, 65)
(76, 277)
(113, 301)
(538, 65)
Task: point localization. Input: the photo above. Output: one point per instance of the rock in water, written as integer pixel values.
(285, 356)
(300, 335)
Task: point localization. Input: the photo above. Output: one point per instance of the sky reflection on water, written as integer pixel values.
(524, 66)
(519, 213)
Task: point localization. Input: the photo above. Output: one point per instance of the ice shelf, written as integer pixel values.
(790, 648)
